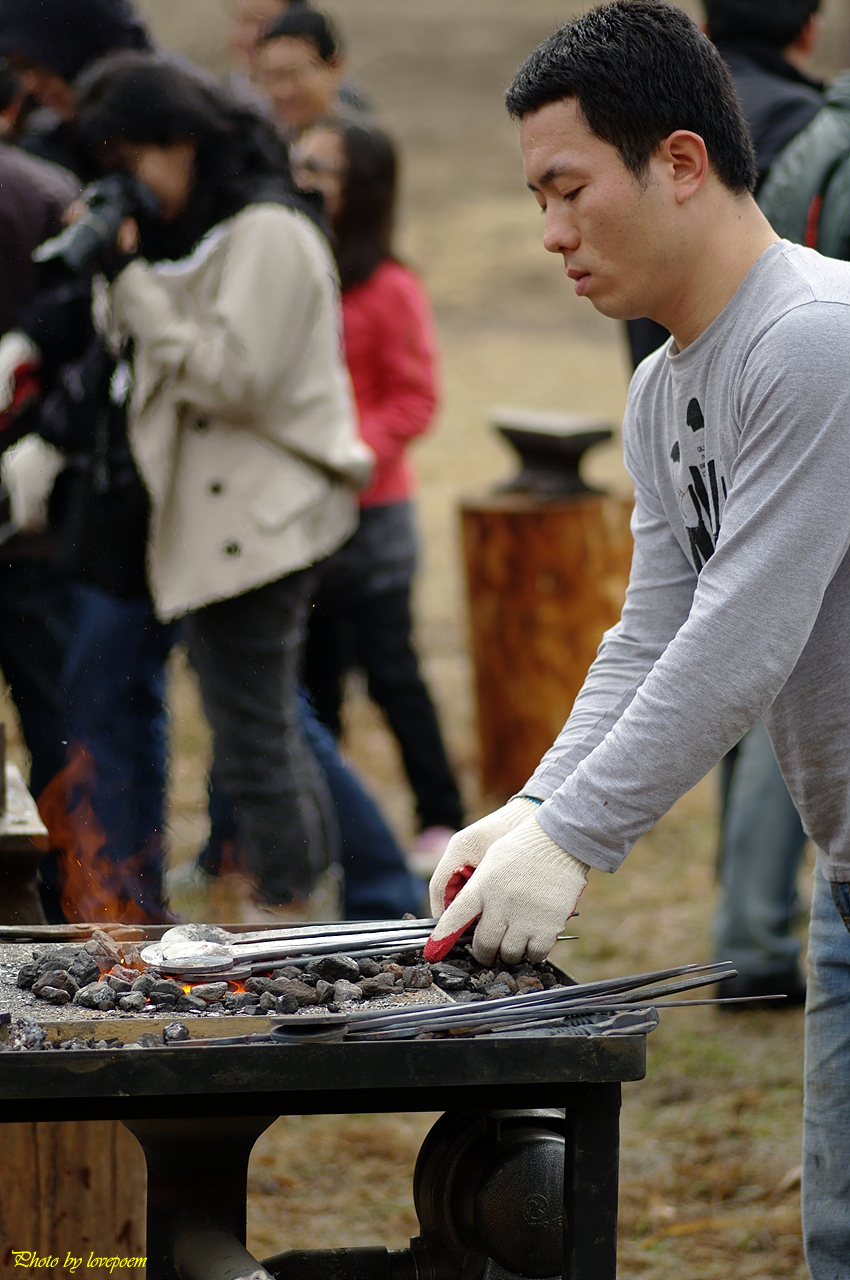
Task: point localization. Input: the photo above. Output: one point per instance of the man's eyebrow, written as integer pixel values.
(555, 171)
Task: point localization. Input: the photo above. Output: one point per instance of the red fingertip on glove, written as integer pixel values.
(436, 948)
(456, 883)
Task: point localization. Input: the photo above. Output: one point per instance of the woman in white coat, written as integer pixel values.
(241, 422)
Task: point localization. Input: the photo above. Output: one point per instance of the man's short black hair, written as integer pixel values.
(303, 23)
(776, 23)
(639, 70)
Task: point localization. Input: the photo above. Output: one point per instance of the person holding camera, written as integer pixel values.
(241, 422)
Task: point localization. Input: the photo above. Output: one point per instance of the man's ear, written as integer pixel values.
(684, 157)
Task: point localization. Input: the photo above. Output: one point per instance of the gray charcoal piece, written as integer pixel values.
(258, 985)
(166, 987)
(210, 992)
(332, 968)
(149, 1041)
(528, 982)
(121, 971)
(144, 983)
(174, 1033)
(268, 1002)
(345, 991)
(55, 978)
(84, 969)
(495, 990)
(288, 971)
(368, 967)
(407, 958)
(134, 1002)
(27, 974)
(120, 986)
(97, 995)
(548, 979)
(508, 980)
(190, 1004)
(164, 1004)
(468, 997)
(55, 995)
(236, 1000)
(74, 1043)
(303, 992)
(374, 988)
(325, 991)
(28, 1034)
(287, 1004)
(417, 977)
(449, 977)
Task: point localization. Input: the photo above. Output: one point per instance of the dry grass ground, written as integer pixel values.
(711, 1138)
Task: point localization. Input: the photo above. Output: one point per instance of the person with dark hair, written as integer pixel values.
(738, 604)
(241, 423)
(362, 613)
(299, 65)
(50, 43)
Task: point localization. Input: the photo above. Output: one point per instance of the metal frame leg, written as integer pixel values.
(591, 1177)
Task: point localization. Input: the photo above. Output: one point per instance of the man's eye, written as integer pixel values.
(571, 195)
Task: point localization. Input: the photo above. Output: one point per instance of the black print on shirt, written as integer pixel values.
(701, 488)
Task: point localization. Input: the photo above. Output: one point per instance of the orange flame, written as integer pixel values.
(94, 889)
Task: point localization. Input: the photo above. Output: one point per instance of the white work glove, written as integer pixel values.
(521, 884)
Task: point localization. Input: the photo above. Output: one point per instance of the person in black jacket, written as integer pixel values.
(114, 664)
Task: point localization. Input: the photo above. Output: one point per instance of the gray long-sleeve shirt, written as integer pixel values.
(738, 604)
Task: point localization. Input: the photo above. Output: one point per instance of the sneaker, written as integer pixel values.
(428, 848)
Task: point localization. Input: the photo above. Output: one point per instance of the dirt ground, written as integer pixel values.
(711, 1138)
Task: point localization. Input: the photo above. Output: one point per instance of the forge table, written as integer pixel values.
(198, 1109)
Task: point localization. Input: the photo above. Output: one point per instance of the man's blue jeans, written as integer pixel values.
(115, 679)
(826, 1103)
(762, 847)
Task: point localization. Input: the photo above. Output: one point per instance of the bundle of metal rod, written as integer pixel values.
(537, 1007)
(191, 957)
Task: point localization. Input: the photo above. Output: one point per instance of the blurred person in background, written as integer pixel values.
(242, 426)
(110, 799)
(298, 67)
(35, 603)
(362, 611)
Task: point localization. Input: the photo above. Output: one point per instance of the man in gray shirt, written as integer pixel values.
(737, 437)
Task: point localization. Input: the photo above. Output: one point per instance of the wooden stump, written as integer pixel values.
(75, 1187)
(545, 580)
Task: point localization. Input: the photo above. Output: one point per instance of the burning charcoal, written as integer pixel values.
(449, 977)
(528, 982)
(332, 968)
(174, 1033)
(210, 992)
(148, 1041)
(102, 949)
(374, 988)
(189, 1003)
(258, 985)
(55, 978)
(369, 968)
(238, 1000)
(131, 957)
(288, 971)
(55, 995)
(165, 993)
(145, 983)
(344, 991)
(97, 995)
(121, 971)
(84, 968)
(508, 981)
(417, 977)
(132, 1003)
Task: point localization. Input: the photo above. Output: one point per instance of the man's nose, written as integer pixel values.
(559, 235)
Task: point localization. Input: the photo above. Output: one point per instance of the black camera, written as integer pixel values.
(108, 201)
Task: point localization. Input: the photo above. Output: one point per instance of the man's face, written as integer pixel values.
(612, 231)
(249, 19)
(47, 87)
(299, 85)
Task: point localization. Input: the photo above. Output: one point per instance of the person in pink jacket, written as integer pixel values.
(362, 615)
